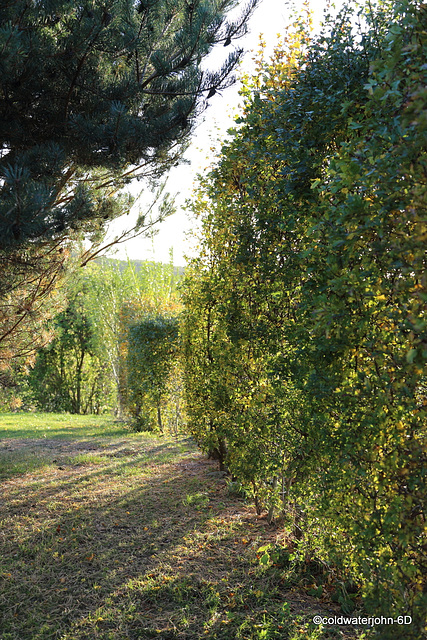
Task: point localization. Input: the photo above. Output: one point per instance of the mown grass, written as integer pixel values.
(29, 441)
(130, 536)
(58, 425)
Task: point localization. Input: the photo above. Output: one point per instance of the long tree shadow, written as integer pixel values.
(21, 456)
(64, 554)
(149, 546)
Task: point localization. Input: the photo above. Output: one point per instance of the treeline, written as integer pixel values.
(95, 357)
(304, 327)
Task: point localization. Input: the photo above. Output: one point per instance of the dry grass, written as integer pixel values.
(137, 537)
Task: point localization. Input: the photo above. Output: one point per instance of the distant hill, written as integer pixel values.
(138, 265)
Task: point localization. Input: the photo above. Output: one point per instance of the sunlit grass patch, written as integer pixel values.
(198, 500)
(89, 458)
(58, 425)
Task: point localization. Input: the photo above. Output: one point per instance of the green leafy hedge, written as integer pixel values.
(305, 322)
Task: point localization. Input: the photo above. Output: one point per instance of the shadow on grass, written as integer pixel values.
(29, 455)
(62, 555)
(140, 548)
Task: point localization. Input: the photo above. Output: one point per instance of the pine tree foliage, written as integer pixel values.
(96, 86)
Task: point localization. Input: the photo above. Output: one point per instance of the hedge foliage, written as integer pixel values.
(304, 329)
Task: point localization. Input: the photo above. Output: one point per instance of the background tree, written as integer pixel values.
(29, 296)
(84, 369)
(119, 295)
(70, 374)
(152, 352)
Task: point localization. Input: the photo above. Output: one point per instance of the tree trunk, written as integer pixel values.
(271, 509)
(79, 382)
(159, 419)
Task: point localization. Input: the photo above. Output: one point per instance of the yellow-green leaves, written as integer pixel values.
(305, 314)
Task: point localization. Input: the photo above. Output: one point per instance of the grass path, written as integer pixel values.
(129, 536)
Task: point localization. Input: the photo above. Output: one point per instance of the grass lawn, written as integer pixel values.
(57, 425)
(107, 534)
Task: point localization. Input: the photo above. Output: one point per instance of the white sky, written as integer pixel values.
(270, 18)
